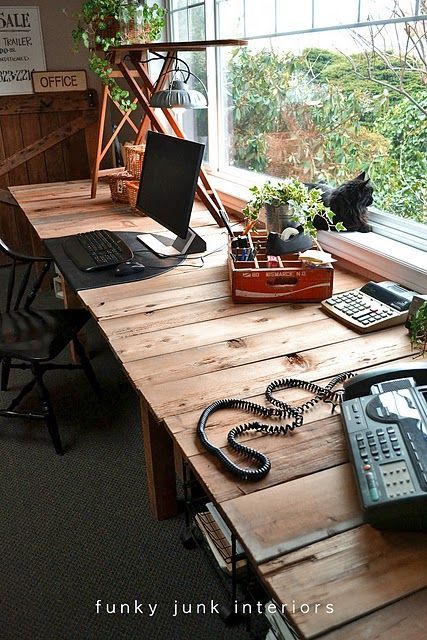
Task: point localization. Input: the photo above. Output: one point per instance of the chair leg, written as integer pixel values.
(5, 371)
(86, 365)
(47, 410)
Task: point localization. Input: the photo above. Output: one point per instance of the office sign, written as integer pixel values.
(48, 81)
(21, 49)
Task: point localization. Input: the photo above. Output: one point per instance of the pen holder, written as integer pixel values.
(255, 277)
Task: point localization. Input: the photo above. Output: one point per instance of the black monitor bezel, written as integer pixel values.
(185, 222)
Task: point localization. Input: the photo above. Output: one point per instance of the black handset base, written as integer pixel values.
(384, 414)
(361, 384)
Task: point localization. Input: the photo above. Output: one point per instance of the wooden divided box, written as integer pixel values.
(275, 279)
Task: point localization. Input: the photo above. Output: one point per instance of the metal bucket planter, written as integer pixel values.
(278, 218)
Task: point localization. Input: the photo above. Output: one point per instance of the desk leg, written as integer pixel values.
(160, 466)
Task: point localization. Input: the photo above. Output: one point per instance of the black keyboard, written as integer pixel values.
(97, 250)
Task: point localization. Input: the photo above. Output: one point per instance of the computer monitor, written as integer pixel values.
(168, 183)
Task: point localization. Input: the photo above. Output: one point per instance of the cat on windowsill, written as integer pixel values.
(349, 202)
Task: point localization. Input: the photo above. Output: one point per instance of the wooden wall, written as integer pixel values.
(43, 138)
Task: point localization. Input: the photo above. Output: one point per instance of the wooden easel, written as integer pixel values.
(130, 63)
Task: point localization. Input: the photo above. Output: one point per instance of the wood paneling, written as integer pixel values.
(42, 139)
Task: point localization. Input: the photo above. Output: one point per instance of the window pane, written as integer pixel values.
(195, 121)
(304, 106)
(196, 20)
(178, 4)
(230, 19)
(260, 22)
(331, 12)
(384, 9)
(180, 26)
(288, 19)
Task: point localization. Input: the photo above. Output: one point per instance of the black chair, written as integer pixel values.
(35, 337)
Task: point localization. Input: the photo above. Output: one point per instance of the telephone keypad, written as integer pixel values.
(378, 444)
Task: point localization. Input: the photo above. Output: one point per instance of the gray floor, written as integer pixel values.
(76, 529)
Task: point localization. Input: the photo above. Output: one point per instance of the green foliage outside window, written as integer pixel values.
(311, 117)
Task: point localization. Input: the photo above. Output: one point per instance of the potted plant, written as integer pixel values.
(102, 24)
(418, 328)
(288, 203)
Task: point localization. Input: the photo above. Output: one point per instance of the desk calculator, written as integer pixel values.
(377, 305)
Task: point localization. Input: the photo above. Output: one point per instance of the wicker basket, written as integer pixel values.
(132, 190)
(134, 159)
(118, 186)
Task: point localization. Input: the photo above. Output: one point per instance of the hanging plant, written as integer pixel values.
(100, 27)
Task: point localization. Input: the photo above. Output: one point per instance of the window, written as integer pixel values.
(324, 90)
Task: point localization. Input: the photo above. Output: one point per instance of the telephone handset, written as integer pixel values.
(384, 414)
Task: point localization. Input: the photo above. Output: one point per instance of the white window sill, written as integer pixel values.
(369, 253)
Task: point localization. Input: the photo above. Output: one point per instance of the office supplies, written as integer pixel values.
(374, 306)
(256, 276)
(170, 171)
(278, 247)
(384, 415)
(280, 410)
(128, 268)
(226, 220)
(95, 250)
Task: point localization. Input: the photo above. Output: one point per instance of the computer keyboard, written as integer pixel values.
(95, 250)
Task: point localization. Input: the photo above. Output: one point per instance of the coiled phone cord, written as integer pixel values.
(282, 410)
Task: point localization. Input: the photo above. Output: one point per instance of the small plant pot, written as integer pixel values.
(278, 218)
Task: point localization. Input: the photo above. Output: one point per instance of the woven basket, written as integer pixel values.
(134, 159)
(118, 186)
(132, 190)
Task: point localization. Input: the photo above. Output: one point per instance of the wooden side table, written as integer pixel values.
(130, 62)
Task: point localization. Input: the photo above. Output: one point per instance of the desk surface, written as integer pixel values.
(183, 343)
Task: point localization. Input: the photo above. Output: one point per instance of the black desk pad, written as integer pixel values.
(79, 280)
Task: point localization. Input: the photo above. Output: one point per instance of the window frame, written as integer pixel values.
(402, 230)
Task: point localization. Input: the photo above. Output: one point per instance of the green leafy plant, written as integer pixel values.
(304, 204)
(418, 329)
(98, 29)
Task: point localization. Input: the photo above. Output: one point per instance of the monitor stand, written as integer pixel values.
(192, 243)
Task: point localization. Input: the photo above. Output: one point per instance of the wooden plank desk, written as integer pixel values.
(183, 343)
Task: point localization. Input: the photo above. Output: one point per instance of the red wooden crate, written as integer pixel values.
(291, 281)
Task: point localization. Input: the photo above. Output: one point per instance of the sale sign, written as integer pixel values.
(21, 49)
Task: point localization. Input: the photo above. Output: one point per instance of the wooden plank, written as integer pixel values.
(76, 162)
(294, 514)
(357, 572)
(46, 142)
(318, 445)
(54, 158)
(405, 619)
(197, 391)
(48, 103)
(31, 133)
(7, 198)
(13, 144)
(190, 306)
(232, 351)
(160, 466)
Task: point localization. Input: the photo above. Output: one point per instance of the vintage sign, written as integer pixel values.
(48, 81)
(21, 48)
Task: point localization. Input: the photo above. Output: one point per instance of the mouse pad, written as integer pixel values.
(79, 280)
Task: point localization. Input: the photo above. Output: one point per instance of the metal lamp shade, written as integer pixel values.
(178, 96)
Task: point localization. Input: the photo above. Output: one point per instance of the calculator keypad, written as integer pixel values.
(360, 309)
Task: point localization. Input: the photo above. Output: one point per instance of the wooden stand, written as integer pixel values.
(130, 63)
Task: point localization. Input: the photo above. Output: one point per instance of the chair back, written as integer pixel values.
(20, 292)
